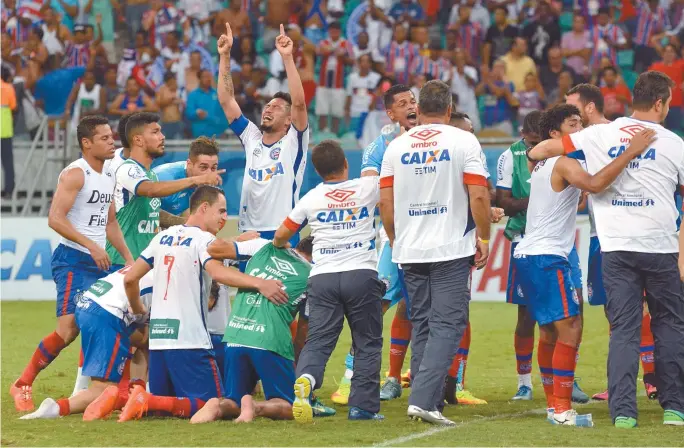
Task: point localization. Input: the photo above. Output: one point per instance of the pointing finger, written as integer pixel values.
(282, 30)
(228, 30)
(220, 171)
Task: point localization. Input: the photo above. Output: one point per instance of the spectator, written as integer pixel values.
(470, 35)
(548, 74)
(588, 10)
(379, 24)
(315, 22)
(419, 81)
(277, 12)
(498, 98)
(400, 55)
(101, 16)
(135, 11)
(335, 53)
(29, 12)
(86, 98)
(172, 52)
(8, 106)
(407, 11)
(532, 98)
(161, 19)
(616, 95)
(542, 33)
(576, 47)
(606, 39)
(421, 39)
(132, 100)
(499, 37)
(67, 10)
(513, 8)
(434, 65)
(238, 19)
(478, 13)
(111, 89)
(169, 102)
(246, 49)
(362, 47)
(80, 50)
(674, 68)
(652, 24)
(305, 60)
(14, 24)
(198, 15)
(676, 16)
(557, 96)
(55, 36)
(518, 64)
(203, 109)
(34, 55)
(190, 78)
(246, 93)
(463, 82)
(360, 87)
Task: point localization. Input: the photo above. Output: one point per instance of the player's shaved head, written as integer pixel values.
(553, 119)
(205, 193)
(462, 121)
(328, 159)
(305, 246)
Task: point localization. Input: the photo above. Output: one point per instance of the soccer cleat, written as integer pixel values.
(359, 414)
(434, 417)
(625, 422)
(321, 410)
(651, 390)
(603, 396)
(341, 395)
(47, 409)
(406, 379)
(136, 405)
(549, 414)
(578, 395)
(465, 397)
(674, 418)
(390, 390)
(571, 418)
(524, 393)
(23, 397)
(301, 407)
(103, 406)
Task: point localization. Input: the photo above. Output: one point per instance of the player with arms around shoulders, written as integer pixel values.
(275, 150)
(83, 214)
(182, 362)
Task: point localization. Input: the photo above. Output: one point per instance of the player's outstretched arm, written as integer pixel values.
(271, 289)
(574, 174)
(225, 89)
(167, 219)
(285, 47)
(161, 189)
(546, 149)
(132, 285)
(68, 186)
(238, 248)
(115, 236)
(284, 233)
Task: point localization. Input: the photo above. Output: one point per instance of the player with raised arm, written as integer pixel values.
(275, 150)
(541, 258)
(83, 214)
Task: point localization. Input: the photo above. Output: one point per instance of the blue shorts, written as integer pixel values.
(73, 272)
(248, 365)
(547, 284)
(269, 235)
(105, 341)
(391, 275)
(514, 292)
(595, 291)
(219, 353)
(575, 269)
(190, 373)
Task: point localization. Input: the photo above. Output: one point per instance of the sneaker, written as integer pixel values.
(136, 405)
(674, 418)
(578, 395)
(450, 390)
(23, 397)
(465, 397)
(406, 379)
(524, 393)
(390, 390)
(47, 409)
(103, 406)
(434, 417)
(549, 414)
(603, 396)
(341, 395)
(571, 418)
(359, 414)
(625, 422)
(321, 410)
(301, 407)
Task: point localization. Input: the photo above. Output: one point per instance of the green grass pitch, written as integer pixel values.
(491, 375)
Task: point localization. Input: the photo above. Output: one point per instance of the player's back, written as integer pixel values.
(181, 288)
(110, 294)
(551, 215)
(178, 202)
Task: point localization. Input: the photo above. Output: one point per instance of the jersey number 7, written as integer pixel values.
(168, 261)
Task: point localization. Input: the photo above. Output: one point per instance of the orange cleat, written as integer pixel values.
(23, 397)
(406, 379)
(103, 406)
(136, 405)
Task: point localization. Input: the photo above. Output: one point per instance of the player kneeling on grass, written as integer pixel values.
(107, 324)
(257, 337)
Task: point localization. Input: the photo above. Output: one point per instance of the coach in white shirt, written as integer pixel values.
(435, 208)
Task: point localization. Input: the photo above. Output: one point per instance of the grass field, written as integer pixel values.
(491, 375)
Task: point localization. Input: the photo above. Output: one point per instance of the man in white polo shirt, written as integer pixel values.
(435, 209)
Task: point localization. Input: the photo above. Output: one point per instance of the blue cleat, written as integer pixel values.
(578, 395)
(359, 414)
(390, 389)
(321, 410)
(572, 418)
(549, 414)
(524, 393)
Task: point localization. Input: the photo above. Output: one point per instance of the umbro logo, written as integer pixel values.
(633, 129)
(155, 203)
(339, 195)
(425, 134)
(284, 266)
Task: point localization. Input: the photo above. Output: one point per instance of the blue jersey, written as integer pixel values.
(374, 153)
(176, 203)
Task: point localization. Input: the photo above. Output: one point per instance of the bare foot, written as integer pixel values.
(210, 412)
(247, 410)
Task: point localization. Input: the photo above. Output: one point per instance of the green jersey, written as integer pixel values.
(256, 322)
(520, 188)
(138, 216)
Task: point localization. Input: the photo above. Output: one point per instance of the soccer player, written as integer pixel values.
(182, 361)
(275, 150)
(137, 204)
(642, 256)
(259, 345)
(83, 214)
(542, 257)
(433, 179)
(343, 281)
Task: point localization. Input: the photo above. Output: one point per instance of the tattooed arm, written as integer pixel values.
(226, 91)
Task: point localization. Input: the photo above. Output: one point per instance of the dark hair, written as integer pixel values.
(609, 69)
(328, 158)
(176, 34)
(203, 146)
(388, 98)
(588, 93)
(137, 121)
(131, 78)
(531, 123)
(205, 193)
(305, 245)
(649, 88)
(38, 32)
(6, 74)
(501, 7)
(86, 127)
(168, 76)
(553, 118)
(434, 98)
(459, 116)
(335, 25)
(121, 129)
(604, 10)
(283, 96)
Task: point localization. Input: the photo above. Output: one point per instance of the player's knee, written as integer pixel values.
(67, 328)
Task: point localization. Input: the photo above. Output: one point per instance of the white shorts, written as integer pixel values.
(330, 101)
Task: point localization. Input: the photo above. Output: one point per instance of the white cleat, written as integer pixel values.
(571, 418)
(434, 417)
(47, 409)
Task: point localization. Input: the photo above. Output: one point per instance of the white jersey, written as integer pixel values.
(110, 294)
(430, 167)
(90, 211)
(643, 195)
(113, 166)
(592, 222)
(551, 215)
(181, 288)
(217, 319)
(342, 221)
(273, 175)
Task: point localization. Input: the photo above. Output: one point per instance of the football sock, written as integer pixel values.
(647, 345)
(64, 408)
(400, 335)
(545, 360)
(47, 351)
(524, 348)
(81, 380)
(124, 385)
(293, 329)
(563, 375)
(178, 407)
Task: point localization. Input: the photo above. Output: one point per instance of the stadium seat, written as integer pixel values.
(566, 21)
(625, 59)
(630, 77)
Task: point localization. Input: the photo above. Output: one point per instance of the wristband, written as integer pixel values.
(483, 241)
